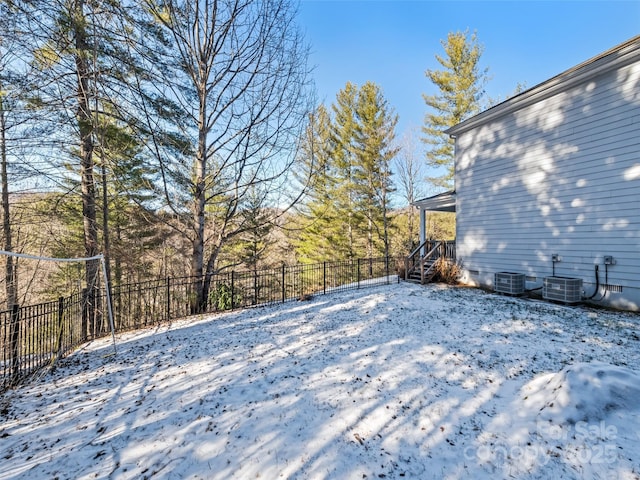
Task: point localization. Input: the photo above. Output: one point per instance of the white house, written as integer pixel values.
(548, 182)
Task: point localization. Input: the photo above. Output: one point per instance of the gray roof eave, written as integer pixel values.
(443, 202)
(619, 56)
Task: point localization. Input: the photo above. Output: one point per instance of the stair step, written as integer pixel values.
(415, 276)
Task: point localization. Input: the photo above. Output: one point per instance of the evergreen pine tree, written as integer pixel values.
(256, 224)
(347, 243)
(374, 151)
(318, 229)
(348, 203)
(461, 86)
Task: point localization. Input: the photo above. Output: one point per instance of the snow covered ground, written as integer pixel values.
(399, 381)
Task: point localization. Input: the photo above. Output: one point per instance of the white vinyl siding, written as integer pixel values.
(560, 176)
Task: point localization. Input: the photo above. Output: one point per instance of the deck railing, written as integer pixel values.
(424, 257)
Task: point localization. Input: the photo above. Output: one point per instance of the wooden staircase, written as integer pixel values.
(422, 268)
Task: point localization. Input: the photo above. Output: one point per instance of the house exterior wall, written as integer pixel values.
(559, 176)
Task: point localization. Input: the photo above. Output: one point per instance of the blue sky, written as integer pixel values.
(392, 43)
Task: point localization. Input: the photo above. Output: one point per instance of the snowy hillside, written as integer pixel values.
(401, 381)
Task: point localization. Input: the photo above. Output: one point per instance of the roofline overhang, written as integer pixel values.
(443, 202)
(619, 56)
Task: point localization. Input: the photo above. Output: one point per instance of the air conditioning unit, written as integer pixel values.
(509, 282)
(562, 289)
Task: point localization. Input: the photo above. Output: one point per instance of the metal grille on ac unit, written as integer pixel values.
(562, 289)
(509, 282)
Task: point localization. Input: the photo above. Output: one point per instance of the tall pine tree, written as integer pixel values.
(318, 230)
(374, 150)
(461, 87)
(344, 195)
(347, 208)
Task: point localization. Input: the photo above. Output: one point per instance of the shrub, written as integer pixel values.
(447, 271)
(220, 297)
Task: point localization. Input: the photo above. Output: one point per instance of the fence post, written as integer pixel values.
(15, 336)
(138, 313)
(324, 277)
(358, 273)
(232, 287)
(85, 313)
(60, 327)
(255, 285)
(284, 292)
(386, 268)
(168, 298)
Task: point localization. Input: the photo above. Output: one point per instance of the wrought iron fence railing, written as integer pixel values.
(33, 337)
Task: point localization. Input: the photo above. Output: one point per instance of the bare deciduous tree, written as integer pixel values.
(235, 72)
(408, 164)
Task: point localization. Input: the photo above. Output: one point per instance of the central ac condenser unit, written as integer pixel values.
(562, 289)
(509, 282)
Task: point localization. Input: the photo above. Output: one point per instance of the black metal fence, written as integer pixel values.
(35, 336)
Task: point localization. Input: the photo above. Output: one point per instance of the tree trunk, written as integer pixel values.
(11, 274)
(370, 234)
(199, 203)
(385, 221)
(206, 280)
(117, 261)
(197, 270)
(105, 234)
(86, 130)
(105, 222)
